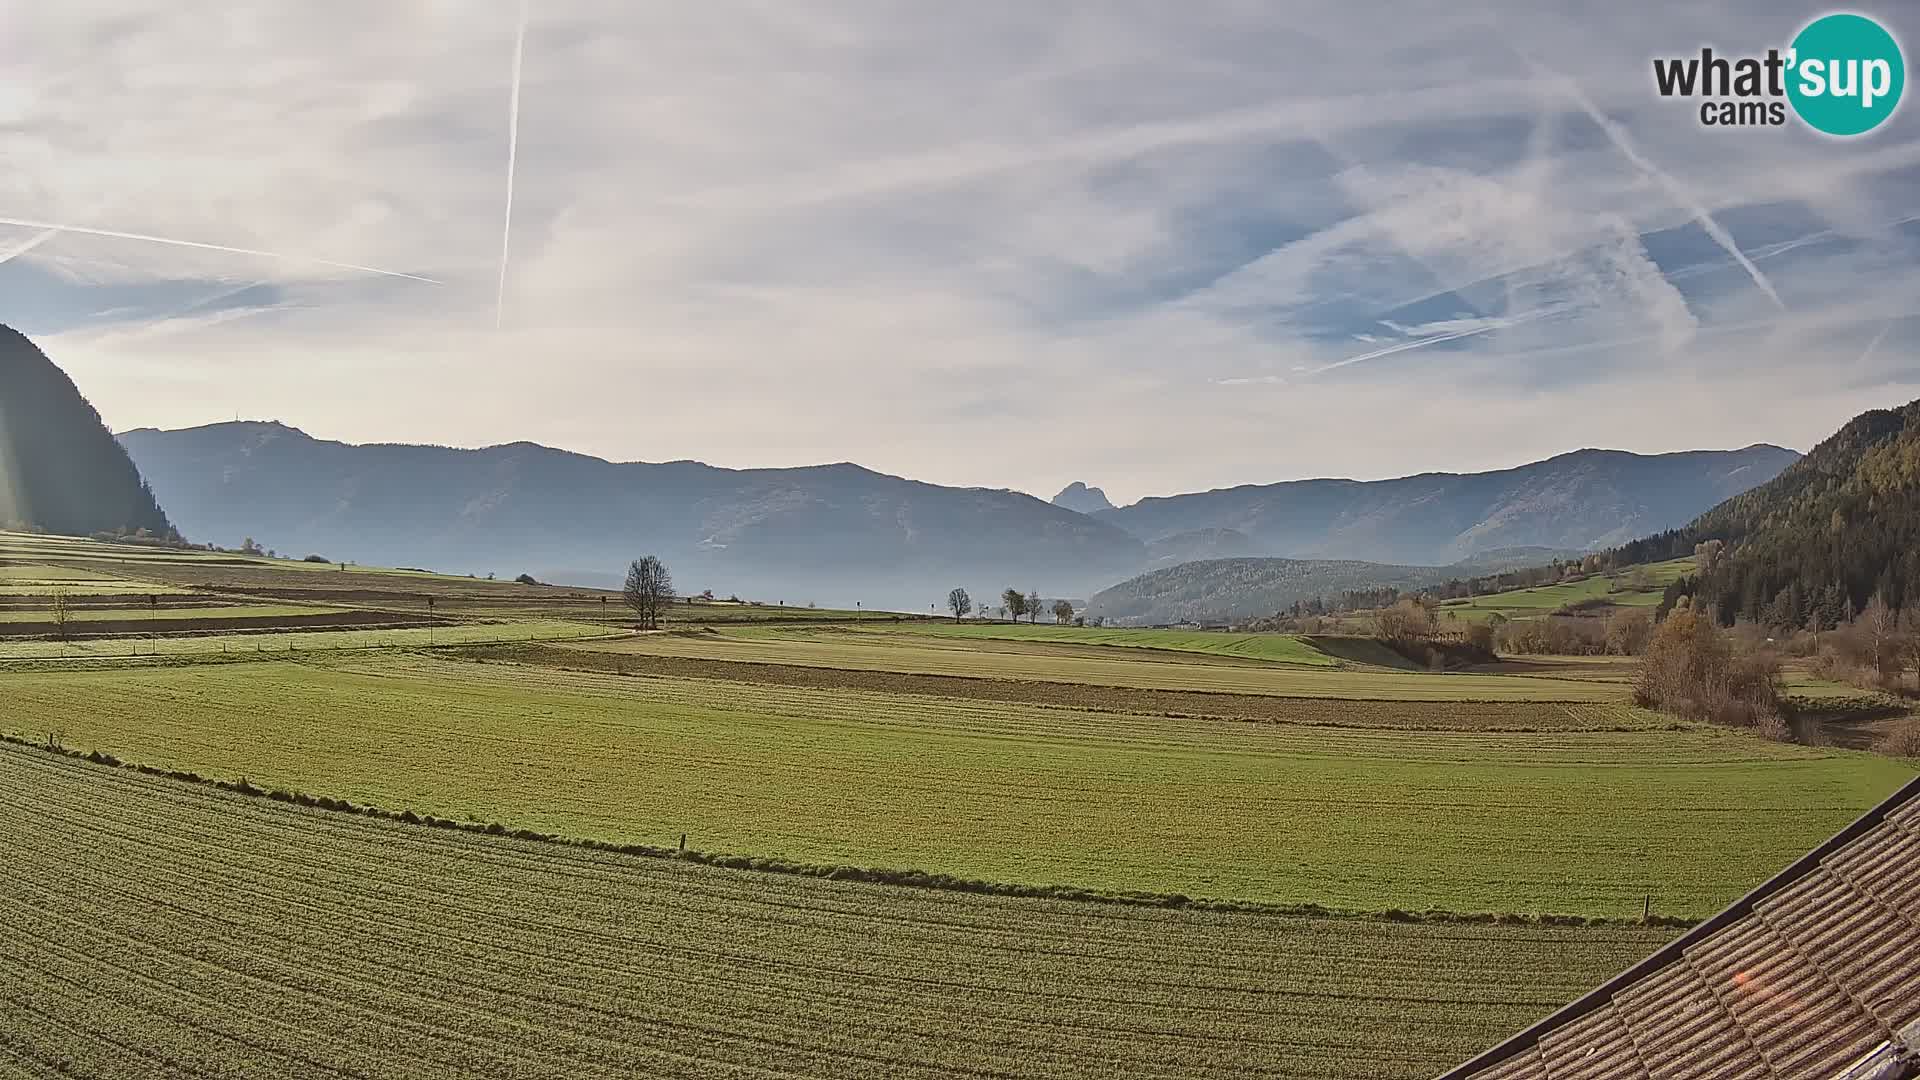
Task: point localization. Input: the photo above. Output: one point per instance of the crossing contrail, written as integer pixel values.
(1618, 137)
(24, 246)
(81, 230)
(513, 152)
(1404, 346)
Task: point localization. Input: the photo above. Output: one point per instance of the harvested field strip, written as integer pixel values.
(1437, 715)
(47, 573)
(89, 613)
(293, 642)
(900, 653)
(208, 934)
(1583, 823)
(1277, 648)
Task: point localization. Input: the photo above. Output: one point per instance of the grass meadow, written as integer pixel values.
(914, 848)
(1359, 805)
(209, 934)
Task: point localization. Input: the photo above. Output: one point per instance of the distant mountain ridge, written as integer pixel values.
(1583, 500)
(1235, 590)
(828, 533)
(846, 534)
(60, 469)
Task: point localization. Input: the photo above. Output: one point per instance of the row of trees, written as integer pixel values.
(1013, 604)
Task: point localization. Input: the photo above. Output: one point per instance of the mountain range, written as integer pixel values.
(844, 534)
(1580, 501)
(826, 533)
(837, 534)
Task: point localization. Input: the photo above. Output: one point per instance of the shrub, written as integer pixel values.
(1582, 605)
(527, 579)
(1771, 725)
(1628, 632)
(1902, 740)
(1691, 669)
(1407, 621)
(1551, 636)
(317, 559)
(1480, 636)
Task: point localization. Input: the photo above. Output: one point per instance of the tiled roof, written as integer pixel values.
(1802, 979)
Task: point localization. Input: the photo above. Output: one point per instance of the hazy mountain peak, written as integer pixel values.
(1082, 499)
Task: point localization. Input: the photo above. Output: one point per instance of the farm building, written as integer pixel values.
(1815, 975)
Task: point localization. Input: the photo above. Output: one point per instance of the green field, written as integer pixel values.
(159, 927)
(1285, 648)
(1616, 589)
(207, 934)
(1100, 665)
(1371, 817)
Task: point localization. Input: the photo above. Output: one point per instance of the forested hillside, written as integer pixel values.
(1234, 590)
(61, 470)
(1824, 537)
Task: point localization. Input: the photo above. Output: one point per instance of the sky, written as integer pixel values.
(1155, 247)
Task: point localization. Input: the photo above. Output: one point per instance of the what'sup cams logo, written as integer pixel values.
(1842, 75)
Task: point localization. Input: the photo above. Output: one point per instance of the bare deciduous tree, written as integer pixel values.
(1706, 554)
(959, 603)
(1407, 621)
(1879, 624)
(1033, 606)
(649, 588)
(1062, 611)
(1628, 631)
(62, 615)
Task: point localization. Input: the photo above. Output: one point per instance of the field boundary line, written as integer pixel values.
(1064, 682)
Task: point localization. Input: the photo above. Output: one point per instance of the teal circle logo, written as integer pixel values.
(1845, 74)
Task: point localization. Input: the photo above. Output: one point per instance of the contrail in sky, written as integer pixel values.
(1618, 136)
(513, 152)
(34, 241)
(1405, 345)
(1874, 345)
(55, 227)
(1421, 343)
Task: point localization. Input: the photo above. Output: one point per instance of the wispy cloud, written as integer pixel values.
(1162, 248)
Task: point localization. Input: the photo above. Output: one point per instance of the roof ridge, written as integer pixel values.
(1677, 949)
